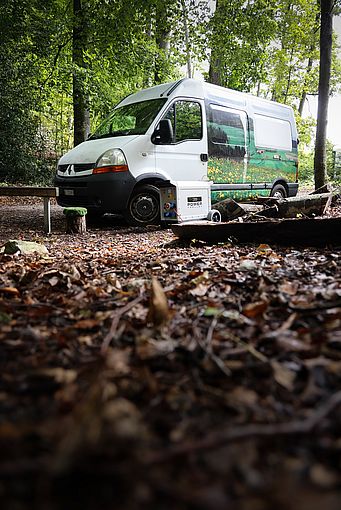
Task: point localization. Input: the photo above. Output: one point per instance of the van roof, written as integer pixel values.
(189, 87)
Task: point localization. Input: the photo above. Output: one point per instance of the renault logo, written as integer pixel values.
(70, 170)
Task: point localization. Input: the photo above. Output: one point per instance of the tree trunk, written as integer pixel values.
(75, 225)
(162, 42)
(323, 98)
(309, 65)
(187, 40)
(80, 99)
(304, 93)
(214, 72)
(162, 39)
(75, 220)
(289, 73)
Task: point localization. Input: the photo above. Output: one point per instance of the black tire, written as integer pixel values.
(144, 206)
(279, 191)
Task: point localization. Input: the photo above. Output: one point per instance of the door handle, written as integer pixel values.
(204, 157)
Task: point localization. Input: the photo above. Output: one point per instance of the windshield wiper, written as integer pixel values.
(108, 135)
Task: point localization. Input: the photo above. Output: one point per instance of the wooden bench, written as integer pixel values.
(34, 191)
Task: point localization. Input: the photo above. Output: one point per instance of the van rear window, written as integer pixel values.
(271, 133)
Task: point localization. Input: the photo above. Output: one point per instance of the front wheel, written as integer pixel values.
(144, 206)
(279, 191)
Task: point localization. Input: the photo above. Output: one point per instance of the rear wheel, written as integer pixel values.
(279, 191)
(144, 206)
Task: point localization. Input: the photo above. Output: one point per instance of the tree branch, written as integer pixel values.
(298, 427)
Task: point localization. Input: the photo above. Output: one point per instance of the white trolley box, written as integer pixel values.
(186, 201)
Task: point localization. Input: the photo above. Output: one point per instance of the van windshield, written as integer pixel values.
(131, 119)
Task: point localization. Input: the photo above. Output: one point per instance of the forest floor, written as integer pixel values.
(226, 396)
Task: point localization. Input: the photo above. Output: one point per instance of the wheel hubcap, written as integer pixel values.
(144, 208)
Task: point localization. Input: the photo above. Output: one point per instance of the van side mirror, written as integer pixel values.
(163, 134)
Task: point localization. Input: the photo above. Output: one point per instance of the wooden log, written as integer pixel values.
(75, 220)
(229, 209)
(323, 189)
(306, 205)
(288, 232)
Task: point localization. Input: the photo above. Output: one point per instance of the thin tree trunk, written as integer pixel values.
(289, 74)
(304, 93)
(323, 98)
(80, 99)
(162, 42)
(214, 72)
(309, 66)
(214, 75)
(187, 41)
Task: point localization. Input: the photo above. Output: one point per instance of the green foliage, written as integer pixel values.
(306, 162)
(293, 63)
(240, 34)
(17, 122)
(266, 45)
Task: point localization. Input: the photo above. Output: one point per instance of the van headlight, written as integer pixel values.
(112, 160)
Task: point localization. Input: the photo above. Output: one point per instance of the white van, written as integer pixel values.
(182, 131)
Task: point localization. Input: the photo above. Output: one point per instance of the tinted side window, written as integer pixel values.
(186, 120)
(226, 132)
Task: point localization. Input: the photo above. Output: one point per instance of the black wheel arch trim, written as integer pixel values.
(151, 176)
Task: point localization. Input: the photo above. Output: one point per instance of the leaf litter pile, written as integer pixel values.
(138, 372)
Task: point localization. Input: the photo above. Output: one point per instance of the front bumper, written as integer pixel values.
(105, 193)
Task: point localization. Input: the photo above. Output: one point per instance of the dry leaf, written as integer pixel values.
(253, 310)
(200, 290)
(287, 342)
(283, 375)
(264, 249)
(9, 290)
(86, 324)
(323, 476)
(158, 305)
(289, 288)
(59, 374)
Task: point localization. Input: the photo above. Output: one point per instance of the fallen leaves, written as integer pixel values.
(124, 344)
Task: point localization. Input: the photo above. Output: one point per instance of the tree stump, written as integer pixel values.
(75, 220)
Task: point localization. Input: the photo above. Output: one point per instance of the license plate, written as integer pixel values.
(69, 192)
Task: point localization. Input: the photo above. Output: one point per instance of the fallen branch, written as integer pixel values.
(213, 441)
(113, 328)
(317, 307)
(207, 348)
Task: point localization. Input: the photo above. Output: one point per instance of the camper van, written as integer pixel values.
(187, 130)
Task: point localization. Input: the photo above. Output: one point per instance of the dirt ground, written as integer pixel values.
(140, 372)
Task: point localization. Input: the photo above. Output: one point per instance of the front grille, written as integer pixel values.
(83, 167)
(79, 167)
